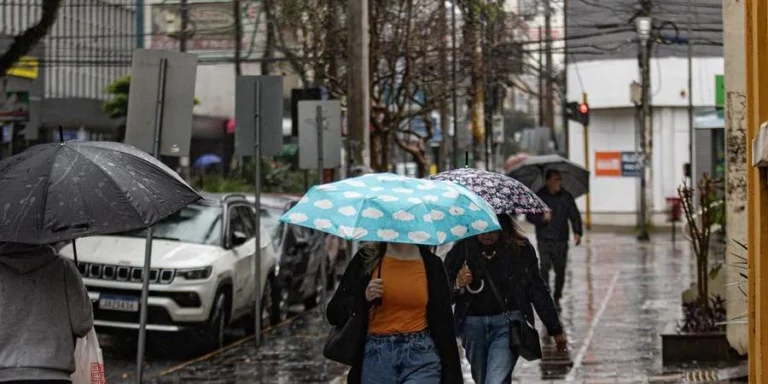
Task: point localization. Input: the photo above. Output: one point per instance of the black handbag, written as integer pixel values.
(523, 337)
(343, 341)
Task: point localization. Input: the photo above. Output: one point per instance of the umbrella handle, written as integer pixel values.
(74, 250)
(61, 140)
(466, 159)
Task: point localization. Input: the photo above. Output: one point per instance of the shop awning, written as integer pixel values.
(714, 119)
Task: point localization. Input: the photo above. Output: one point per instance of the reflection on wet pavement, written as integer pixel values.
(619, 297)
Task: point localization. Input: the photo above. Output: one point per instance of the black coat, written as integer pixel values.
(564, 209)
(524, 285)
(350, 296)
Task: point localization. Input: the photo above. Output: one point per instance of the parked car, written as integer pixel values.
(201, 277)
(300, 251)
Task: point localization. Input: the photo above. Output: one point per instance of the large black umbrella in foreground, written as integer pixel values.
(58, 192)
(532, 169)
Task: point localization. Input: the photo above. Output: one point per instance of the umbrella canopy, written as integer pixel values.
(207, 160)
(59, 192)
(505, 194)
(392, 208)
(533, 169)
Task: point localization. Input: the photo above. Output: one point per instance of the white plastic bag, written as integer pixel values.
(89, 362)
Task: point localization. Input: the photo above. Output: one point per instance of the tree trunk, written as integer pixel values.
(25, 42)
(269, 44)
(443, 163)
(477, 90)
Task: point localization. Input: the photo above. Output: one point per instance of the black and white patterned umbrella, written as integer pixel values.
(505, 194)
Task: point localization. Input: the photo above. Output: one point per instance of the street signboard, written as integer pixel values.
(178, 101)
(259, 100)
(719, 91)
(331, 121)
(617, 164)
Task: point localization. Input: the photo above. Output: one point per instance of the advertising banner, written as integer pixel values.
(617, 164)
(211, 26)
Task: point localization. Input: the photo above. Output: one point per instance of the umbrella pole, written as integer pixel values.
(74, 251)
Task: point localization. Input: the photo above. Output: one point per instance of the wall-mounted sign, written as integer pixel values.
(211, 26)
(14, 107)
(617, 164)
(26, 67)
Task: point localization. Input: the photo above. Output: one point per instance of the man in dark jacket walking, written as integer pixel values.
(552, 230)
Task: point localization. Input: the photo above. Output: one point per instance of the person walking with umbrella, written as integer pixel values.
(44, 308)
(552, 232)
(497, 285)
(392, 310)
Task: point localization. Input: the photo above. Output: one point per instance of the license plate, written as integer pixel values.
(119, 303)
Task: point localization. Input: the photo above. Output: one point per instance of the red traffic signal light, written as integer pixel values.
(583, 108)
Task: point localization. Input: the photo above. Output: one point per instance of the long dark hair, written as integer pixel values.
(511, 234)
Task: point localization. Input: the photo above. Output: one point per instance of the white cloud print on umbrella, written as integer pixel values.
(391, 208)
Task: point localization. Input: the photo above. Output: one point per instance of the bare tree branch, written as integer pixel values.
(27, 40)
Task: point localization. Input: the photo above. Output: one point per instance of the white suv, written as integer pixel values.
(201, 273)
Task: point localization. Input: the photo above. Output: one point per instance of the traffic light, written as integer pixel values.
(578, 112)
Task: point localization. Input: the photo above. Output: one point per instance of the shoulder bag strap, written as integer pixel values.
(493, 287)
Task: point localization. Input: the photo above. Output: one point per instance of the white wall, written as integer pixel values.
(607, 81)
(613, 128)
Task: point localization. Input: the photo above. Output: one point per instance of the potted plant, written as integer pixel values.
(701, 334)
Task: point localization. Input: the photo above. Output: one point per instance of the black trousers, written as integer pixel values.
(554, 254)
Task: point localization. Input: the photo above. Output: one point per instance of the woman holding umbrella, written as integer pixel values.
(392, 311)
(497, 282)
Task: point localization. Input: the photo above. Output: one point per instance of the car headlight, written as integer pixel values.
(195, 273)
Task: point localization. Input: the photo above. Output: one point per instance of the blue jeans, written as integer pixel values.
(486, 343)
(401, 358)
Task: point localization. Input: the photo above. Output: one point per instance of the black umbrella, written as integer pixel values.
(59, 192)
(532, 171)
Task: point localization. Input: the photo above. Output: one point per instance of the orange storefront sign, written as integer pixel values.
(608, 164)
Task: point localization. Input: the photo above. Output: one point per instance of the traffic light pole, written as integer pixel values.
(588, 213)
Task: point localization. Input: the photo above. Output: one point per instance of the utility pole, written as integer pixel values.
(238, 37)
(454, 91)
(549, 95)
(359, 104)
(566, 130)
(644, 25)
(588, 213)
(444, 162)
(691, 137)
(184, 13)
(542, 120)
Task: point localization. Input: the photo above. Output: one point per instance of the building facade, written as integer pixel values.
(602, 62)
(89, 46)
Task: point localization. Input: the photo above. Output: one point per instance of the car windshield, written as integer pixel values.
(195, 223)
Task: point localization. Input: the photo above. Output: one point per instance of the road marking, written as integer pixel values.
(588, 340)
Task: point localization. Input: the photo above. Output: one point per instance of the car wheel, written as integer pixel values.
(217, 325)
(274, 307)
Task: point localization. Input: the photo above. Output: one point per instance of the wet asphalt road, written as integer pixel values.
(620, 295)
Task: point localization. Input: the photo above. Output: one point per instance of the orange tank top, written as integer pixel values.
(403, 306)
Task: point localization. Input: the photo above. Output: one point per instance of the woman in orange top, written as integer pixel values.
(409, 333)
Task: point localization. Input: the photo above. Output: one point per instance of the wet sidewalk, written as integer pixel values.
(620, 295)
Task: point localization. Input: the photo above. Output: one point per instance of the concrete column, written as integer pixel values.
(756, 60)
(736, 162)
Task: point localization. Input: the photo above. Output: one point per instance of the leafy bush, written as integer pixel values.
(699, 319)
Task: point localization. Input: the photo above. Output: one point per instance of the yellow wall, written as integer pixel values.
(756, 39)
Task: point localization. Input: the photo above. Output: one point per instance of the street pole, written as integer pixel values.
(566, 130)
(542, 120)
(145, 273)
(549, 99)
(319, 124)
(359, 105)
(257, 217)
(691, 138)
(184, 12)
(444, 162)
(238, 37)
(644, 27)
(588, 213)
(139, 24)
(454, 94)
